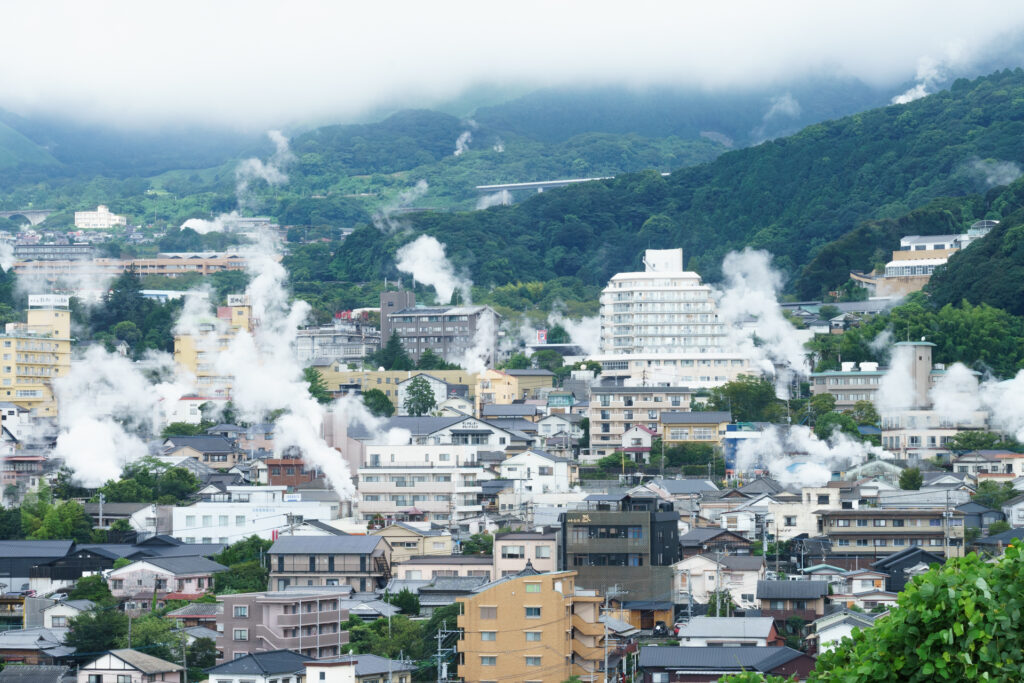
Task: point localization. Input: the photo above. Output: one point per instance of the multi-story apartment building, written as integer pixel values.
(337, 375)
(448, 331)
(703, 427)
(875, 532)
(440, 481)
(531, 627)
(362, 562)
(100, 219)
(36, 352)
(615, 409)
(197, 352)
(167, 265)
(849, 384)
(514, 550)
(629, 539)
(345, 340)
(304, 621)
(408, 540)
(242, 511)
(53, 252)
(503, 387)
(662, 326)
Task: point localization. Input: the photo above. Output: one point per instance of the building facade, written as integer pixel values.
(362, 562)
(100, 219)
(36, 352)
(876, 532)
(614, 410)
(448, 331)
(307, 622)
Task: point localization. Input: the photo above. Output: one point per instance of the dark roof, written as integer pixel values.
(716, 659)
(160, 539)
(791, 590)
(189, 564)
(113, 509)
(700, 417)
(203, 444)
(33, 674)
(324, 526)
(742, 562)
(185, 550)
(198, 609)
(526, 536)
(647, 605)
(147, 664)
(761, 485)
(971, 506)
(1005, 537)
(272, 662)
(417, 530)
(317, 545)
(28, 549)
(417, 426)
(914, 552)
(700, 535)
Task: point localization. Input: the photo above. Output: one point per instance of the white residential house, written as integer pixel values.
(536, 471)
(59, 614)
(428, 482)
(243, 511)
(698, 576)
(636, 443)
(561, 423)
(751, 519)
(455, 406)
(1014, 511)
(830, 630)
(792, 516)
(442, 391)
(730, 632)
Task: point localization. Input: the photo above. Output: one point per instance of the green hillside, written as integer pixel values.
(17, 150)
(791, 196)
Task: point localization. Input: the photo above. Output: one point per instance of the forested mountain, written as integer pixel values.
(791, 196)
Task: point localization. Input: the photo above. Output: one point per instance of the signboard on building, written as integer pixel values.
(49, 300)
(292, 498)
(238, 300)
(542, 336)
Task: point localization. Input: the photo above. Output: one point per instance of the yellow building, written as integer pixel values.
(197, 352)
(338, 375)
(703, 427)
(35, 352)
(503, 387)
(408, 541)
(531, 627)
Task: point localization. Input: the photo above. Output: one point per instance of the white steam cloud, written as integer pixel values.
(499, 146)
(797, 457)
(424, 258)
(226, 222)
(584, 333)
(350, 411)
(108, 408)
(385, 220)
(959, 395)
(6, 255)
(929, 75)
(749, 298)
(462, 143)
(480, 356)
(955, 396)
(896, 388)
(993, 172)
(783, 106)
(501, 198)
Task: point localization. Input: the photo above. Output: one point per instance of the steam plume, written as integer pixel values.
(385, 221)
(502, 198)
(797, 457)
(424, 258)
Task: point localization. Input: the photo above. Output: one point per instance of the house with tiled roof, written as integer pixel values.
(167, 578)
(408, 539)
(130, 666)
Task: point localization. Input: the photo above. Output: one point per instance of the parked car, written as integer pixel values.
(660, 630)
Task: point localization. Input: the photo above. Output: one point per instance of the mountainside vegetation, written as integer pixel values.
(792, 196)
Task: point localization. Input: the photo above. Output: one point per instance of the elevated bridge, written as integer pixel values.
(34, 216)
(540, 185)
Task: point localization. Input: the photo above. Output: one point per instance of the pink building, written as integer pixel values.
(304, 621)
(168, 578)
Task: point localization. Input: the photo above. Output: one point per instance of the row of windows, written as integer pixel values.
(893, 522)
(896, 542)
(222, 520)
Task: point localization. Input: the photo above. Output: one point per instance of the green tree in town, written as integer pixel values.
(911, 479)
(378, 403)
(92, 587)
(864, 413)
(316, 385)
(419, 397)
(392, 356)
(201, 655)
(720, 603)
(982, 441)
(431, 361)
(478, 544)
(558, 335)
(517, 361)
(998, 527)
(155, 636)
(829, 423)
(749, 399)
(96, 630)
(994, 494)
(405, 600)
(184, 429)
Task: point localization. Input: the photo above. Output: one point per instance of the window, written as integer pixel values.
(879, 522)
(533, 612)
(543, 552)
(239, 520)
(533, 588)
(488, 612)
(59, 622)
(94, 678)
(789, 520)
(533, 661)
(533, 636)
(513, 552)
(241, 611)
(241, 634)
(777, 604)
(862, 522)
(488, 635)
(124, 678)
(488, 661)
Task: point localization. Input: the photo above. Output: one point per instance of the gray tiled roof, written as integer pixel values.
(791, 590)
(320, 545)
(189, 564)
(33, 674)
(685, 486)
(11, 549)
(262, 663)
(203, 444)
(716, 659)
(417, 426)
(198, 609)
(508, 410)
(727, 627)
(147, 664)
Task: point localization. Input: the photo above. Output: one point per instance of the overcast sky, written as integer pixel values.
(255, 64)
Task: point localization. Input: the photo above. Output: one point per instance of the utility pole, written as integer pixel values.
(776, 549)
(184, 661)
(442, 663)
(102, 500)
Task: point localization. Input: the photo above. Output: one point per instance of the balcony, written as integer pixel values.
(308, 618)
(590, 653)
